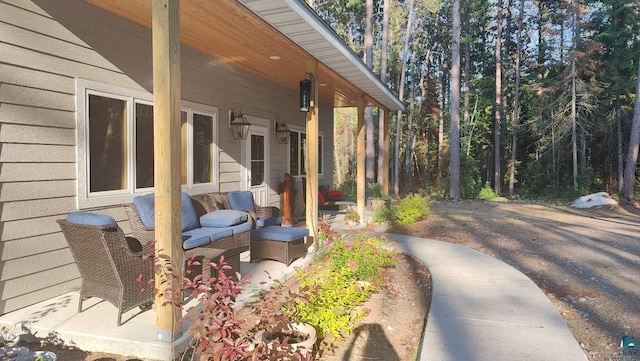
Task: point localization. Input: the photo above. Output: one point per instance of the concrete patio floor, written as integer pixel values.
(94, 329)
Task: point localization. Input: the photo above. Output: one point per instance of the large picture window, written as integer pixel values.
(297, 144)
(108, 148)
(116, 145)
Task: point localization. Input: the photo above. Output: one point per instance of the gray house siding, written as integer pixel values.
(45, 45)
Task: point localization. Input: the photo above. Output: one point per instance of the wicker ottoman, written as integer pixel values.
(283, 244)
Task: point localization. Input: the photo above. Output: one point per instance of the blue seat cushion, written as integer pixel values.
(241, 200)
(268, 221)
(146, 209)
(242, 227)
(223, 218)
(91, 219)
(277, 233)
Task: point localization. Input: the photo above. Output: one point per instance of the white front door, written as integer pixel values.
(256, 163)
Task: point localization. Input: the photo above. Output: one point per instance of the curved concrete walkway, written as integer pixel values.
(483, 309)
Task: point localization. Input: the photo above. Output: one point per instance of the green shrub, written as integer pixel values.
(470, 179)
(487, 193)
(376, 189)
(348, 188)
(411, 209)
(382, 213)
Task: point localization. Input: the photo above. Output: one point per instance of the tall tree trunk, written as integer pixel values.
(619, 138)
(396, 173)
(497, 173)
(574, 140)
(441, 104)
(516, 104)
(370, 148)
(554, 165)
(384, 55)
(634, 142)
(454, 133)
(408, 154)
(467, 65)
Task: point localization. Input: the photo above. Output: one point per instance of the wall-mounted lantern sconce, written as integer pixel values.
(305, 92)
(239, 124)
(282, 131)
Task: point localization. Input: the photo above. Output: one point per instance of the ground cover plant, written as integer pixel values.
(340, 281)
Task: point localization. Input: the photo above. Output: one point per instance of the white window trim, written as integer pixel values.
(191, 108)
(303, 130)
(86, 199)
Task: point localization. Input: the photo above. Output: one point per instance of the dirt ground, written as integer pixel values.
(586, 261)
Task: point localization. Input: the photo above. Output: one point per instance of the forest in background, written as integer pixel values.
(545, 93)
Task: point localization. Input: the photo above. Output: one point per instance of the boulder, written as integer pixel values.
(594, 200)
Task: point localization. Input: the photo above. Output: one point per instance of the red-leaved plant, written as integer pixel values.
(217, 332)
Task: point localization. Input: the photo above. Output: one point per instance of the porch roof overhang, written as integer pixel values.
(271, 39)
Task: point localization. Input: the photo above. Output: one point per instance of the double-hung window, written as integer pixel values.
(297, 144)
(116, 144)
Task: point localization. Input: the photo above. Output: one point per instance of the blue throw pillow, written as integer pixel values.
(223, 218)
(91, 219)
(189, 216)
(146, 208)
(145, 205)
(241, 200)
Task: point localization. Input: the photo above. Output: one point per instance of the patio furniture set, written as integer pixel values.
(213, 225)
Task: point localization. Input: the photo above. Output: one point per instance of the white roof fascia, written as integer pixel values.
(298, 22)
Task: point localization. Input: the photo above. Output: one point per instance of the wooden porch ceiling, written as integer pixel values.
(228, 31)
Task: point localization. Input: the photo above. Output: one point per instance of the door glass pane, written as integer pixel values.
(202, 148)
(144, 145)
(257, 172)
(293, 154)
(184, 128)
(107, 144)
(257, 160)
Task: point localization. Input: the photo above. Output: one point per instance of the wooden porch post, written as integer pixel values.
(361, 181)
(385, 154)
(166, 131)
(312, 151)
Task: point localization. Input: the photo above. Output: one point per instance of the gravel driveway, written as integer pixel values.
(586, 261)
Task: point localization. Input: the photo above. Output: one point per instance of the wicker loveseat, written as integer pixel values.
(210, 226)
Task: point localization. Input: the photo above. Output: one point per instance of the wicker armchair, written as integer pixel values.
(260, 216)
(109, 263)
